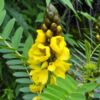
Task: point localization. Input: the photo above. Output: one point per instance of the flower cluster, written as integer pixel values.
(48, 57)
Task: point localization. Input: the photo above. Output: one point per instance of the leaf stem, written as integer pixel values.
(94, 50)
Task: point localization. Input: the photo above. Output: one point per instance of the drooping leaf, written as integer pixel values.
(69, 4)
(40, 17)
(88, 16)
(89, 2)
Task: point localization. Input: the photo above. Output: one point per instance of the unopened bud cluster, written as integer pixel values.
(51, 23)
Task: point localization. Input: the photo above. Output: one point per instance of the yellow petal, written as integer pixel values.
(36, 88)
(62, 65)
(46, 52)
(38, 53)
(51, 67)
(44, 65)
(65, 55)
(39, 76)
(60, 68)
(59, 73)
(57, 44)
(40, 37)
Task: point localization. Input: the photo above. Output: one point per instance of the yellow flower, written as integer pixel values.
(59, 68)
(38, 53)
(37, 98)
(57, 44)
(65, 54)
(40, 37)
(39, 76)
(36, 88)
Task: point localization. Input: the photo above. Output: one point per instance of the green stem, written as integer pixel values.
(94, 50)
(9, 46)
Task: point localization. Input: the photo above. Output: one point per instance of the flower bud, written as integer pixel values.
(98, 37)
(49, 33)
(59, 29)
(53, 26)
(47, 22)
(52, 8)
(44, 27)
(56, 19)
(50, 15)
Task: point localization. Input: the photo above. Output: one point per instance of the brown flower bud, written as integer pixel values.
(52, 9)
(53, 26)
(56, 19)
(47, 21)
(44, 27)
(50, 15)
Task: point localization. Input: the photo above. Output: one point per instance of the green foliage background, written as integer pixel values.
(80, 20)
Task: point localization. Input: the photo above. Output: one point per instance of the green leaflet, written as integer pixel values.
(29, 96)
(24, 80)
(76, 96)
(1, 4)
(2, 16)
(28, 44)
(17, 37)
(8, 28)
(9, 56)
(87, 87)
(40, 17)
(14, 62)
(87, 15)
(25, 89)
(21, 74)
(17, 67)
